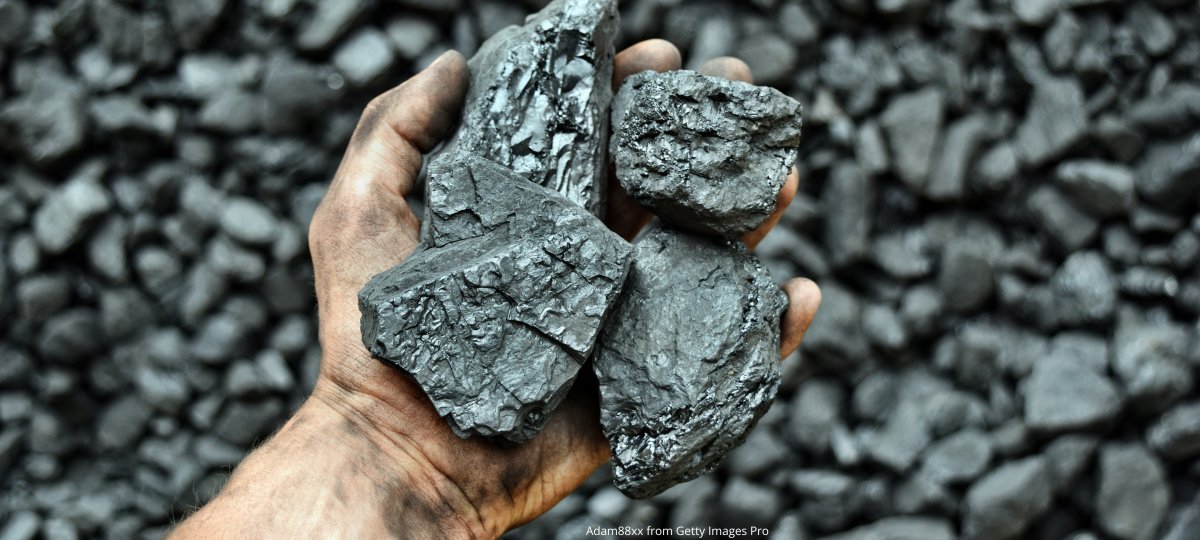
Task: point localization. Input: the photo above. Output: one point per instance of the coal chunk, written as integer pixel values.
(1085, 290)
(47, 123)
(1133, 495)
(1177, 433)
(1056, 119)
(539, 97)
(672, 408)
(1150, 359)
(1064, 395)
(704, 153)
(497, 312)
(1104, 189)
(913, 123)
(1005, 502)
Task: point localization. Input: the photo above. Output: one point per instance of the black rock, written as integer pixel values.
(995, 170)
(71, 336)
(1085, 289)
(512, 276)
(1153, 29)
(193, 20)
(13, 18)
(1133, 495)
(1104, 189)
(1167, 172)
(671, 408)
(539, 97)
(249, 221)
(957, 458)
(948, 177)
(1055, 120)
(913, 123)
(815, 410)
(242, 423)
(62, 219)
(47, 123)
(40, 297)
(1003, 504)
(1176, 435)
(847, 231)
(704, 153)
(966, 277)
(745, 504)
(1150, 359)
(1063, 395)
(122, 423)
(1066, 224)
(364, 57)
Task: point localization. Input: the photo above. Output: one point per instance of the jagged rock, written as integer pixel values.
(913, 123)
(501, 307)
(704, 153)
(1104, 189)
(1064, 395)
(1150, 359)
(47, 123)
(672, 408)
(1176, 434)
(539, 97)
(1133, 495)
(1056, 118)
(1003, 503)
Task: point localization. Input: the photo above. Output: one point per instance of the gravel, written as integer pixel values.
(998, 200)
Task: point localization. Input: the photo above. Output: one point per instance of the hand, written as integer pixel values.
(396, 467)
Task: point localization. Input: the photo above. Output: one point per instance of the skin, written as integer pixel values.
(366, 456)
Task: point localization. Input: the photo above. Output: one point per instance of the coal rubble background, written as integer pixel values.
(999, 200)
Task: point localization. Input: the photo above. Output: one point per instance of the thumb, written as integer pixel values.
(401, 124)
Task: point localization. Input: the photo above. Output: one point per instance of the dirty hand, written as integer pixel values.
(367, 455)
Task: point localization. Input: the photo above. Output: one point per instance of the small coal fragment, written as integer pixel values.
(1084, 289)
(47, 123)
(1104, 189)
(966, 278)
(501, 307)
(1063, 395)
(1167, 173)
(1176, 434)
(1067, 225)
(704, 153)
(1002, 504)
(1150, 359)
(1133, 496)
(671, 407)
(1056, 119)
(848, 229)
(913, 123)
(539, 97)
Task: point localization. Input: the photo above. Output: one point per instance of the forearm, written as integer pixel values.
(319, 477)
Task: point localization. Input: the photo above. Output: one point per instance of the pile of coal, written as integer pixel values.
(704, 153)
(997, 198)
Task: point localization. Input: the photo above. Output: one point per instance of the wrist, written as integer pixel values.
(410, 491)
